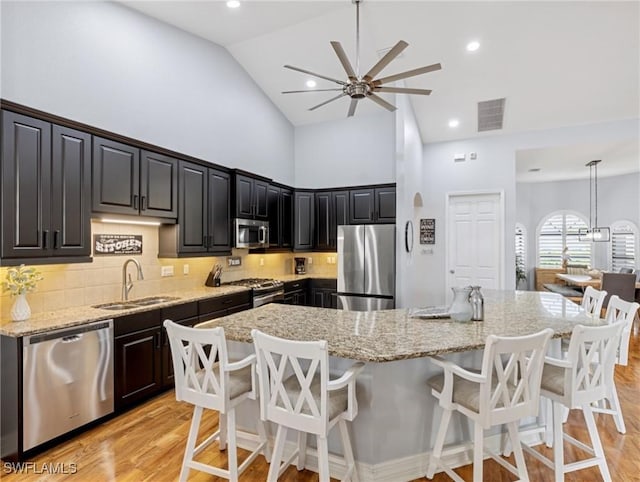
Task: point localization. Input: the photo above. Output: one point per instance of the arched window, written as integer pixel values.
(558, 230)
(623, 251)
(521, 253)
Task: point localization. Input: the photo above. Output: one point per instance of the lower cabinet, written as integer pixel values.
(219, 306)
(295, 292)
(323, 293)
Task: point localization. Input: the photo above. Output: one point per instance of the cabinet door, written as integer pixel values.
(286, 218)
(138, 366)
(340, 215)
(244, 197)
(116, 177)
(26, 186)
(158, 185)
(260, 191)
(70, 192)
(361, 206)
(323, 220)
(273, 208)
(219, 211)
(192, 213)
(304, 220)
(385, 205)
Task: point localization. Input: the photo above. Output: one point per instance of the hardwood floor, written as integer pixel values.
(147, 444)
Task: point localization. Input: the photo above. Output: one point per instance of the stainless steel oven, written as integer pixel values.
(251, 234)
(263, 291)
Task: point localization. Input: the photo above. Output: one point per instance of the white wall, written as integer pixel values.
(348, 152)
(108, 66)
(494, 169)
(618, 199)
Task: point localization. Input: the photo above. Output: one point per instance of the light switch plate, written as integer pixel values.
(185, 269)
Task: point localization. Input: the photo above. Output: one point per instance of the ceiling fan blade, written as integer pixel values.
(408, 73)
(352, 107)
(344, 60)
(327, 101)
(314, 74)
(380, 101)
(384, 61)
(315, 90)
(402, 90)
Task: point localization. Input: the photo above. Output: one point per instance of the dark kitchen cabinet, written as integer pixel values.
(185, 314)
(280, 209)
(373, 205)
(127, 180)
(303, 225)
(251, 197)
(295, 292)
(323, 293)
(46, 189)
(219, 306)
(204, 222)
(332, 210)
(137, 357)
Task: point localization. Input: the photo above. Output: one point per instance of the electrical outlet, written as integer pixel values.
(328, 259)
(310, 260)
(185, 269)
(261, 261)
(166, 271)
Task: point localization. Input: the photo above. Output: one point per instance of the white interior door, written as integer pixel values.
(474, 240)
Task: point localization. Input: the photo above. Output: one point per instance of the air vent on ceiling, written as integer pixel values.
(490, 114)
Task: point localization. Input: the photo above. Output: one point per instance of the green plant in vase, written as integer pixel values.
(18, 282)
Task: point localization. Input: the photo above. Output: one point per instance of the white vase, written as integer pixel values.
(20, 310)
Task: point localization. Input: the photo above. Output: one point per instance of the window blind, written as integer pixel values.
(558, 231)
(623, 244)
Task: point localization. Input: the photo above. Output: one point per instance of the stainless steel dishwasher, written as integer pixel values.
(67, 380)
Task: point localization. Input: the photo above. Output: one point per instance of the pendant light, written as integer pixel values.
(594, 233)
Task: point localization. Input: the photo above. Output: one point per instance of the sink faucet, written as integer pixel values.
(127, 285)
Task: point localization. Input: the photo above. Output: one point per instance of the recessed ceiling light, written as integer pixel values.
(473, 46)
(311, 83)
(454, 123)
(233, 4)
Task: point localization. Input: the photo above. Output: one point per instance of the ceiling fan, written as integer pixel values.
(359, 87)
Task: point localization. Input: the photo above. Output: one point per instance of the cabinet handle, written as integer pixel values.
(45, 239)
(56, 239)
(135, 201)
(156, 339)
(227, 302)
(143, 206)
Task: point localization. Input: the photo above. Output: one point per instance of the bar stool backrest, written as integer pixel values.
(592, 300)
(620, 310)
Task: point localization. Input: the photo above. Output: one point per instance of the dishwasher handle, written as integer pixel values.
(68, 335)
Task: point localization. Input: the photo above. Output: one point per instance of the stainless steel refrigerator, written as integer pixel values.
(366, 267)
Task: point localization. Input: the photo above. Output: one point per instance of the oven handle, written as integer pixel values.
(268, 298)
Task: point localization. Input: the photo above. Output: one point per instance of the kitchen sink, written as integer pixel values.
(127, 305)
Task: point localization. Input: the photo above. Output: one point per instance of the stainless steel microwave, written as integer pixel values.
(251, 234)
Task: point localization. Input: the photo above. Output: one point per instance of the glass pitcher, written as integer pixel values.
(461, 309)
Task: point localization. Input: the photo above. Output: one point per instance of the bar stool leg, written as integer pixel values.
(517, 451)
(263, 434)
(436, 453)
(478, 452)
(323, 459)
(276, 458)
(191, 443)
(232, 453)
(558, 442)
(595, 442)
(347, 450)
(222, 426)
(302, 449)
(614, 401)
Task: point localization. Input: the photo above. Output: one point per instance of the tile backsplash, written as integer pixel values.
(69, 285)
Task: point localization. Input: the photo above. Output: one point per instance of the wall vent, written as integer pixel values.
(490, 114)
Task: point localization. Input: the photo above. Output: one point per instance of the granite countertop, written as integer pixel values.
(388, 335)
(53, 320)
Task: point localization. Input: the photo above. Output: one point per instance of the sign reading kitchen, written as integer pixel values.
(113, 244)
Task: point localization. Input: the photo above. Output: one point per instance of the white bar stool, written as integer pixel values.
(576, 382)
(504, 392)
(220, 386)
(306, 401)
(592, 300)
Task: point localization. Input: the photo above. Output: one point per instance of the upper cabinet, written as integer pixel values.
(127, 180)
(204, 222)
(280, 209)
(332, 210)
(373, 205)
(46, 188)
(251, 197)
(304, 211)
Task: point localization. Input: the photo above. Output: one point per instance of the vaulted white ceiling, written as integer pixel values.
(556, 63)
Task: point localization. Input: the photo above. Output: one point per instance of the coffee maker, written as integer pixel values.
(301, 267)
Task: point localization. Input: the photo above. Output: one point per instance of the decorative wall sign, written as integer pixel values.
(234, 261)
(114, 244)
(427, 231)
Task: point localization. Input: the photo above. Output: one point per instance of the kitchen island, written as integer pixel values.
(393, 431)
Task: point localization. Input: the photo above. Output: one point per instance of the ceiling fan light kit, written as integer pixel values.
(365, 87)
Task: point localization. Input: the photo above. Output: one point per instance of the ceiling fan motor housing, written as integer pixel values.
(358, 89)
